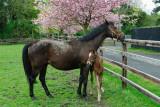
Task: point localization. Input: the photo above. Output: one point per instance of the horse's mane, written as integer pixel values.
(95, 32)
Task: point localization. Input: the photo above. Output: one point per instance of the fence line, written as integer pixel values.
(135, 56)
(125, 67)
(134, 70)
(143, 42)
(141, 89)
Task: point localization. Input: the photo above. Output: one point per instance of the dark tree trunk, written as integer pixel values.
(85, 28)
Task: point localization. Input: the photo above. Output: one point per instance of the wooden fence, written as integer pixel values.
(126, 68)
(123, 65)
(27, 40)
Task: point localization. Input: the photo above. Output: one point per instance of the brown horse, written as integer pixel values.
(96, 62)
(64, 55)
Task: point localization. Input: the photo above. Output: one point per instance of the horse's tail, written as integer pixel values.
(26, 62)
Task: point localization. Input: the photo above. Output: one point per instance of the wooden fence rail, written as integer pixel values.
(142, 58)
(141, 89)
(134, 70)
(143, 42)
(125, 67)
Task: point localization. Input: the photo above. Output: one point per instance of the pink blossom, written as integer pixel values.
(68, 14)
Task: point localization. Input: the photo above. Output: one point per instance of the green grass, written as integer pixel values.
(138, 97)
(63, 85)
(143, 51)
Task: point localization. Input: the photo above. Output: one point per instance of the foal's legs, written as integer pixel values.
(100, 79)
(98, 87)
(91, 73)
(42, 79)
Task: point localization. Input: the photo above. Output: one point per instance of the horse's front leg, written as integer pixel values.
(85, 75)
(80, 81)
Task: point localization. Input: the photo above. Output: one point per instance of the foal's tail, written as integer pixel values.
(26, 62)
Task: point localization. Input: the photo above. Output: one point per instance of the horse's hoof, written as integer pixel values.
(102, 89)
(86, 98)
(33, 98)
(99, 100)
(91, 93)
(50, 96)
(35, 82)
(79, 93)
(84, 94)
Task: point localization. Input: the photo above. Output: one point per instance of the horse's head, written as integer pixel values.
(113, 32)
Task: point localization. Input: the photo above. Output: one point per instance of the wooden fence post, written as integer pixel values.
(124, 61)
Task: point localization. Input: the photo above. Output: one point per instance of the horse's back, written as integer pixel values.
(60, 55)
(38, 52)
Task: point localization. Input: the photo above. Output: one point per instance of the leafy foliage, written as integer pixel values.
(16, 18)
(133, 17)
(157, 9)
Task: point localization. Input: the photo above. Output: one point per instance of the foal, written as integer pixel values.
(96, 63)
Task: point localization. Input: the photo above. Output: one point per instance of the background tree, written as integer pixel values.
(157, 9)
(132, 17)
(156, 12)
(78, 14)
(16, 18)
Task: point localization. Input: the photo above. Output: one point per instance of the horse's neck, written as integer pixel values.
(96, 42)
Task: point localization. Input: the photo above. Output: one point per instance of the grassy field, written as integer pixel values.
(63, 85)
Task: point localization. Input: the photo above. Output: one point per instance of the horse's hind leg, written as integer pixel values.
(31, 82)
(42, 79)
(31, 85)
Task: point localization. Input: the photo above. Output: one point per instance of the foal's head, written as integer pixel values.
(92, 57)
(113, 32)
(96, 60)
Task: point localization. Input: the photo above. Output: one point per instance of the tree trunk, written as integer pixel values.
(61, 32)
(85, 28)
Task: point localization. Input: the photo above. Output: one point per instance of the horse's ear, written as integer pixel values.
(90, 50)
(106, 22)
